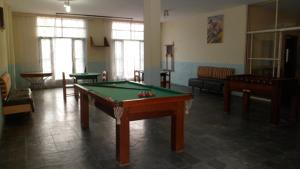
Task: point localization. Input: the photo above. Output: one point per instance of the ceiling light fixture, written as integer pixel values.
(67, 6)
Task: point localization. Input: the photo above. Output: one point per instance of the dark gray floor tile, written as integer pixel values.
(51, 137)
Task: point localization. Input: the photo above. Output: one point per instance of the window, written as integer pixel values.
(61, 27)
(127, 31)
(269, 23)
(129, 56)
(128, 47)
(62, 45)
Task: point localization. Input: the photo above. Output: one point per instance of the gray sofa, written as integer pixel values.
(210, 79)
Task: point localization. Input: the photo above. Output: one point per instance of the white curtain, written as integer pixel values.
(127, 51)
(62, 45)
(113, 62)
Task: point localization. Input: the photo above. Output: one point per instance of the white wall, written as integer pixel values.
(191, 49)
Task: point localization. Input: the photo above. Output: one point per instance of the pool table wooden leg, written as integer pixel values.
(122, 141)
(177, 128)
(84, 110)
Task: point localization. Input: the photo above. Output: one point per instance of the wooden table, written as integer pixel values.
(120, 101)
(265, 87)
(36, 79)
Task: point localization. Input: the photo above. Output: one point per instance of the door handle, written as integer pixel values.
(287, 55)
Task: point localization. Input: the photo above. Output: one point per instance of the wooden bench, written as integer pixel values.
(14, 101)
(211, 78)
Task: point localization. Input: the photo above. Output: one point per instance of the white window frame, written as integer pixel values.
(52, 55)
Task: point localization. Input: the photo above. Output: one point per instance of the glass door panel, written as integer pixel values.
(262, 67)
(131, 58)
(142, 56)
(78, 56)
(62, 57)
(119, 67)
(263, 45)
(46, 55)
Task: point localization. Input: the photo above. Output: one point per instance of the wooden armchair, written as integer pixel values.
(138, 76)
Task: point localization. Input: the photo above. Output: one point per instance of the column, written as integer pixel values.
(152, 45)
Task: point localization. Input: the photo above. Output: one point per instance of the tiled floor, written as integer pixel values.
(52, 137)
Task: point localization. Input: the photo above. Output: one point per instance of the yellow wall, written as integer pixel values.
(3, 45)
(26, 43)
(189, 35)
(6, 49)
(97, 56)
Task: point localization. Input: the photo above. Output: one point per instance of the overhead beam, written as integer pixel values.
(94, 16)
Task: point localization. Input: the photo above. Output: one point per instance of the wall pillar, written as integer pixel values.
(152, 43)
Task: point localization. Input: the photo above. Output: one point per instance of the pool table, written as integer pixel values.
(85, 76)
(120, 100)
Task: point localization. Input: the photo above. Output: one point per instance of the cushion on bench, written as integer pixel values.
(17, 97)
(14, 101)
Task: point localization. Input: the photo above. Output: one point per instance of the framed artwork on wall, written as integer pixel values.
(1, 18)
(215, 29)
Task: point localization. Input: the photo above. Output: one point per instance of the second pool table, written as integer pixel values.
(120, 100)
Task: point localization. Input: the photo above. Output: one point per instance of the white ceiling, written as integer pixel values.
(123, 8)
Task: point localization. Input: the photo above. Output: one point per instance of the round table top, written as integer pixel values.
(35, 74)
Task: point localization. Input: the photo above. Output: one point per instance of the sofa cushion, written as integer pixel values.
(195, 82)
(20, 93)
(17, 101)
(17, 97)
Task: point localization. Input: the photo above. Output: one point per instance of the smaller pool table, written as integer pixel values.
(85, 76)
(120, 100)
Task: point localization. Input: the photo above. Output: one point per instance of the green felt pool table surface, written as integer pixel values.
(83, 74)
(125, 90)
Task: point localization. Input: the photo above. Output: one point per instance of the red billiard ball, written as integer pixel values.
(141, 94)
